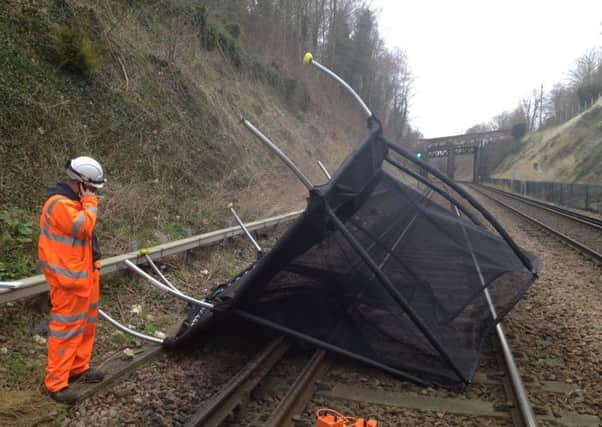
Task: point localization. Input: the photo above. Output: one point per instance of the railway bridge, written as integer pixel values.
(472, 143)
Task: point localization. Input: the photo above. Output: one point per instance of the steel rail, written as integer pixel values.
(580, 218)
(36, 285)
(595, 254)
(300, 393)
(238, 389)
(520, 393)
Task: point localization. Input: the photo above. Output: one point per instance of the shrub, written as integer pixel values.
(16, 244)
(74, 49)
(519, 130)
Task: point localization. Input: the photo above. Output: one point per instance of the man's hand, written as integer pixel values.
(85, 191)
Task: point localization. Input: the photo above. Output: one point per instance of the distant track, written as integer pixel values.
(585, 219)
(580, 231)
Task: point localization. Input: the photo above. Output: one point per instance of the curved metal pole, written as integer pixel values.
(245, 229)
(324, 170)
(521, 256)
(309, 59)
(279, 153)
(158, 271)
(433, 188)
(127, 330)
(165, 288)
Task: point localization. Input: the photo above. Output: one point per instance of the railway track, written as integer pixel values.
(241, 400)
(580, 231)
(282, 386)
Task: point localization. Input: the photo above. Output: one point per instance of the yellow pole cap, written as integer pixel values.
(230, 205)
(308, 58)
(144, 251)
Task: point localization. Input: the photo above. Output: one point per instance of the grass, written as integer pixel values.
(117, 83)
(162, 113)
(16, 244)
(591, 165)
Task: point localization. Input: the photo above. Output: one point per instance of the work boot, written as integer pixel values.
(89, 376)
(65, 395)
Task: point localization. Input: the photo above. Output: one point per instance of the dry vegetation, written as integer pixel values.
(160, 108)
(139, 89)
(571, 152)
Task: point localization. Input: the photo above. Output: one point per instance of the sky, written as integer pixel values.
(473, 60)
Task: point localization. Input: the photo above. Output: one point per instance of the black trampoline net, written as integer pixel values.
(388, 272)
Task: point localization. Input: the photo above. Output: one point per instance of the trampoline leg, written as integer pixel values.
(159, 273)
(127, 330)
(324, 170)
(279, 153)
(245, 230)
(165, 288)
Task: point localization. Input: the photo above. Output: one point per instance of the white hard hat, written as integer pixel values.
(86, 170)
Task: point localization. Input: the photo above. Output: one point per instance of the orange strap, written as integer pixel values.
(330, 418)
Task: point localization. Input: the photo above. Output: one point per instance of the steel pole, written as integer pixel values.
(158, 271)
(324, 170)
(165, 288)
(308, 59)
(244, 228)
(279, 153)
(127, 330)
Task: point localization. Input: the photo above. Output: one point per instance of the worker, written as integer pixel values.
(69, 257)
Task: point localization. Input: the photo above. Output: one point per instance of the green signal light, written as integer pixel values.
(419, 155)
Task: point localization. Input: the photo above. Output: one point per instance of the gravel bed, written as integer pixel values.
(557, 327)
(555, 333)
(269, 393)
(167, 391)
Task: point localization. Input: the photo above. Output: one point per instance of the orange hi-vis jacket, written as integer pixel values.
(65, 245)
(70, 259)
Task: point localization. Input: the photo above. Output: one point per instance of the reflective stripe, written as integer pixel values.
(93, 305)
(92, 209)
(57, 237)
(67, 317)
(51, 206)
(79, 221)
(65, 334)
(63, 239)
(92, 319)
(64, 272)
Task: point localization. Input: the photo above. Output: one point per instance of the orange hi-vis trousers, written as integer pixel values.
(71, 332)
